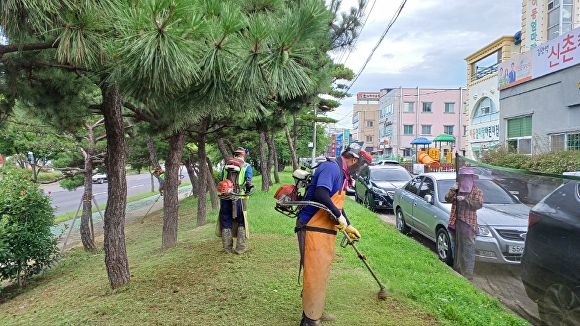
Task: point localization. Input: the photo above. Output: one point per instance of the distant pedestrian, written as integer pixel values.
(465, 199)
(160, 175)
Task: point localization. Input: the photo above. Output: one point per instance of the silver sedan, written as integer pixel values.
(502, 222)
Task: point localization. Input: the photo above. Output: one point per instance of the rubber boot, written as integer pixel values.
(227, 240)
(309, 322)
(328, 317)
(241, 242)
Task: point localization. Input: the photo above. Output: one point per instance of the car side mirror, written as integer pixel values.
(429, 199)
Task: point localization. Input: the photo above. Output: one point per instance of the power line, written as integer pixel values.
(378, 43)
(360, 32)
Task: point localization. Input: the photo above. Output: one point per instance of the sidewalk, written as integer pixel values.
(135, 210)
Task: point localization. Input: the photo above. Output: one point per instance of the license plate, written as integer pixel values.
(515, 249)
(514, 192)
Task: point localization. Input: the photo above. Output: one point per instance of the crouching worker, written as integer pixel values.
(232, 221)
(317, 231)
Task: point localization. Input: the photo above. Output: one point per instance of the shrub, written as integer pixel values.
(550, 162)
(27, 245)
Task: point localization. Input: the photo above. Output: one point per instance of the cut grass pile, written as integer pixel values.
(196, 284)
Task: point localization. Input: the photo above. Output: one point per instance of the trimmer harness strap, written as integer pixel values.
(314, 229)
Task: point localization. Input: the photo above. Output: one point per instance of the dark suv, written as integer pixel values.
(375, 186)
(551, 258)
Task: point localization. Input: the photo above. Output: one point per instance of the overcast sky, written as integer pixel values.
(426, 46)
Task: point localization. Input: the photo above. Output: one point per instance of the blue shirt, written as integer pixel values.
(328, 175)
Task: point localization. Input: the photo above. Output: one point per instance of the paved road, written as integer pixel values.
(65, 201)
(500, 281)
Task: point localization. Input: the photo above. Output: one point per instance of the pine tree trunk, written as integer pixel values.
(274, 156)
(114, 224)
(211, 186)
(272, 159)
(203, 171)
(223, 149)
(170, 191)
(189, 167)
(87, 212)
(292, 149)
(264, 163)
(152, 152)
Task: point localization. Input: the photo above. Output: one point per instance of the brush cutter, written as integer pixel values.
(143, 219)
(345, 241)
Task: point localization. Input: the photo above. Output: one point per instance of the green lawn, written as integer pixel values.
(196, 284)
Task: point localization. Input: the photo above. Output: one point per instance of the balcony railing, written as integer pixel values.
(484, 71)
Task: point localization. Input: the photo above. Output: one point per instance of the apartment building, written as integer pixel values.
(365, 120)
(409, 113)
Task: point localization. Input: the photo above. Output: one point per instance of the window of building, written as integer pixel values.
(449, 107)
(558, 142)
(408, 129)
(573, 142)
(369, 123)
(448, 130)
(560, 17)
(485, 111)
(369, 139)
(409, 107)
(519, 127)
(519, 135)
(427, 106)
(425, 129)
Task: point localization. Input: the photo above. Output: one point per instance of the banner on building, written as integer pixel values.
(557, 54)
(368, 96)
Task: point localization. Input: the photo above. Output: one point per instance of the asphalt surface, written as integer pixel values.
(69, 230)
(498, 280)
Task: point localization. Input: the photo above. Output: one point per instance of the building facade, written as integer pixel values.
(408, 113)
(365, 120)
(481, 120)
(540, 108)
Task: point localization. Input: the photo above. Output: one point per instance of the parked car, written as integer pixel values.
(376, 185)
(385, 162)
(100, 178)
(516, 186)
(551, 259)
(502, 221)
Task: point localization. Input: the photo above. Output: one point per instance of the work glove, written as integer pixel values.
(342, 225)
(250, 189)
(352, 232)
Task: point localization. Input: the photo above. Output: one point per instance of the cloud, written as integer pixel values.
(426, 46)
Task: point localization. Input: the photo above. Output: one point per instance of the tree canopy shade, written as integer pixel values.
(172, 63)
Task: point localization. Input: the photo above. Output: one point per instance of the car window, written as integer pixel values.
(492, 192)
(566, 197)
(413, 185)
(390, 175)
(427, 188)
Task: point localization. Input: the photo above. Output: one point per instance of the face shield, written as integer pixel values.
(364, 159)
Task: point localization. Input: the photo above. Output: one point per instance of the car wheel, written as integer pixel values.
(357, 198)
(559, 306)
(443, 247)
(400, 222)
(100, 181)
(370, 202)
